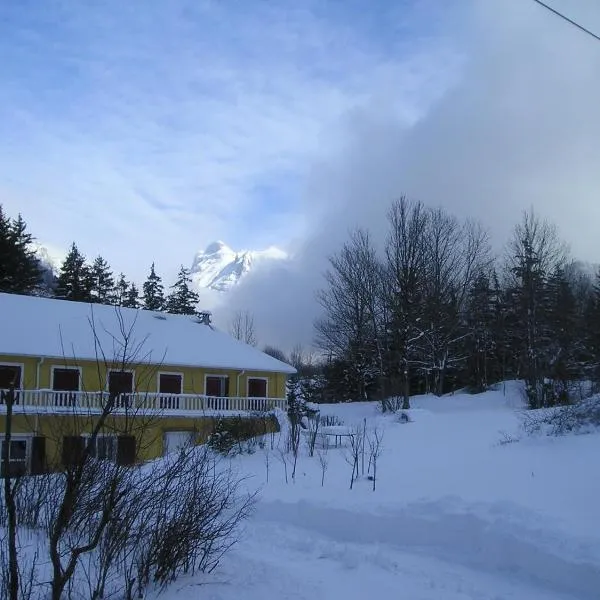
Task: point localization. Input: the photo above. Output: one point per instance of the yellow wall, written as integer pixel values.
(149, 431)
(145, 378)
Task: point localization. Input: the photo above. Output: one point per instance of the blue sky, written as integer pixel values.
(146, 129)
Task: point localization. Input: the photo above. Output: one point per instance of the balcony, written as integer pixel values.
(51, 401)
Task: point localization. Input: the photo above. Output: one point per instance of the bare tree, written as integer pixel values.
(107, 521)
(375, 440)
(350, 328)
(242, 327)
(352, 455)
(10, 492)
(405, 272)
(275, 352)
(323, 462)
(456, 253)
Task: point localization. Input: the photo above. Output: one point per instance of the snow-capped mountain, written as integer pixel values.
(219, 268)
(50, 259)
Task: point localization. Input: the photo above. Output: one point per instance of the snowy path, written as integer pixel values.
(304, 552)
(456, 516)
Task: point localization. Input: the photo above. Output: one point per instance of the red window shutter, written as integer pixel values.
(72, 450)
(126, 450)
(38, 455)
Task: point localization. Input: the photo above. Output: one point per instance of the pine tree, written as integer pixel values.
(153, 291)
(20, 271)
(75, 279)
(480, 344)
(591, 338)
(103, 283)
(566, 350)
(132, 298)
(182, 300)
(121, 289)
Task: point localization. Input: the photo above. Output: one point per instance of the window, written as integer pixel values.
(257, 387)
(120, 382)
(170, 383)
(216, 385)
(170, 386)
(10, 375)
(65, 380)
(104, 447)
(17, 453)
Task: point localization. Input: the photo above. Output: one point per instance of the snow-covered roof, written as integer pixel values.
(34, 326)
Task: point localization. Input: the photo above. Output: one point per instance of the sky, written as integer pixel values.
(146, 130)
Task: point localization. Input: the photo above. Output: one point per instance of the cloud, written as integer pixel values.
(145, 130)
(519, 128)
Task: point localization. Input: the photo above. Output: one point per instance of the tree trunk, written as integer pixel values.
(11, 508)
(406, 390)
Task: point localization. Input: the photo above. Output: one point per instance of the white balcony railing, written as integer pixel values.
(54, 401)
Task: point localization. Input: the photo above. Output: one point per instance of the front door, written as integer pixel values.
(174, 441)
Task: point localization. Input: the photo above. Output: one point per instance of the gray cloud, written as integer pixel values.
(519, 129)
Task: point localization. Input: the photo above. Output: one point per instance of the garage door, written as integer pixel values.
(175, 440)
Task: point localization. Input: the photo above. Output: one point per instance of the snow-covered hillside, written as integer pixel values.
(219, 268)
(458, 514)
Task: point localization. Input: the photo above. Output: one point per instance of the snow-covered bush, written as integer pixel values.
(130, 528)
(239, 434)
(581, 417)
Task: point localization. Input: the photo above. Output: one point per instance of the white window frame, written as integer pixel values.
(16, 364)
(132, 371)
(64, 368)
(265, 379)
(20, 437)
(180, 373)
(115, 436)
(219, 376)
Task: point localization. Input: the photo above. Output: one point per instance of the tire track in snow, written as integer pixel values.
(463, 538)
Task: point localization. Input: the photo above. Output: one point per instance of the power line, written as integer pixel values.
(558, 14)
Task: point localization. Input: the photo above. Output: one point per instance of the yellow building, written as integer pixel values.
(158, 379)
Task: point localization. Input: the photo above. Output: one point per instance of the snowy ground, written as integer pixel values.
(456, 514)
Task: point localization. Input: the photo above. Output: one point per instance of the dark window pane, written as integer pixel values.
(18, 450)
(257, 388)
(10, 375)
(120, 382)
(169, 384)
(217, 386)
(65, 380)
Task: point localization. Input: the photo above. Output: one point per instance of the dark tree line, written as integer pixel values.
(434, 312)
(78, 280)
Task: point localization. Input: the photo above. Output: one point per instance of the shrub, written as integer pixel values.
(238, 434)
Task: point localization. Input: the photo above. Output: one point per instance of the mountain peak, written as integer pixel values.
(219, 267)
(217, 247)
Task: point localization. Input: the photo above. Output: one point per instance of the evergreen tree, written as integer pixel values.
(566, 358)
(182, 300)
(480, 344)
(103, 283)
(20, 271)
(75, 279)
(591, 338)
(121, 289)
(132, 298)
(154, 298)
